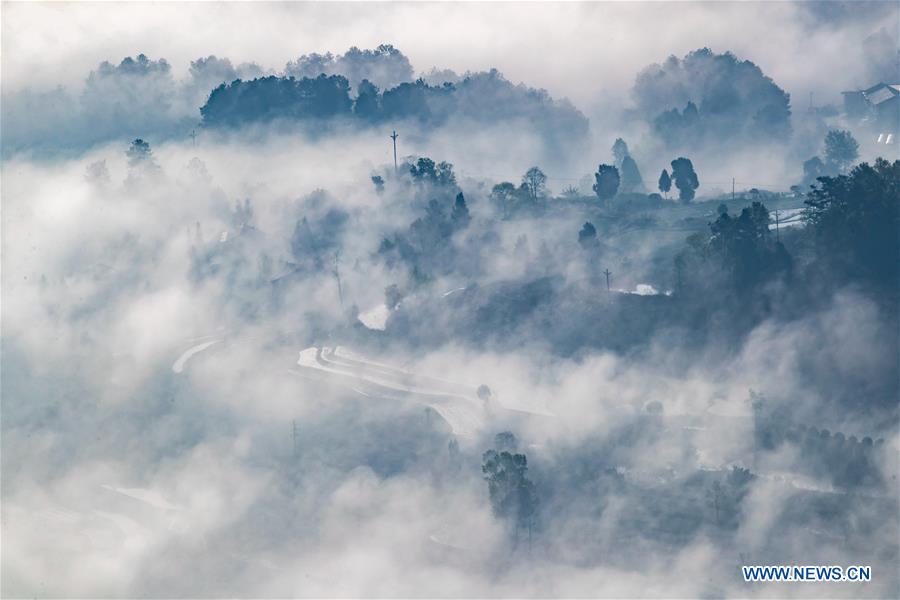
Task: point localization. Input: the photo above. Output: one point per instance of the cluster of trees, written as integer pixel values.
(683, 176)
(141, 163)
(625, 177)
(846, 461)
(621, 177)
(385, 66)
(426, 245)
(610, 180)
(480, 97)
(136, 94)
(270, 98)
(850, 237)
(315, 242)
(854, 219)
(724, 497)
(512, 493)
(841, 150)
(737, 254)
(509, 198)
(711, 99)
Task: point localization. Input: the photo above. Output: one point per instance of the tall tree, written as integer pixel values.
(606, 182)
(855, 219)
(139, 154)
(631, 176)
(512, 494)
(459, 216)
(841, 149)
(368, 101)
(535, 180)
(812, 170)
(620, 151)
(587, 237)
(685, 178)
(665, 182)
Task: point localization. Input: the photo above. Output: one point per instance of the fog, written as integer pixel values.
(264, 361)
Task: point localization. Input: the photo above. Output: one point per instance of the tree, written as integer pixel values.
(665, 182)
(534, 180)
(139, 154)
(726, 100)
(606, 182)
(506, 440)
(685, 178)
(716, 497)
(242, 214)
(460, 213)
(620, 151)
(444, 175)
(744, 247)
(854, 220)
(631, 176)
(587, 237)
(426, 170)
(570, 191)
(812, 170)
(368, 101)
(423, 170)
(311, 243)
(841, 149)
(268, 98)
(484, 393)
(378, 180)
(512, 494)
(503, 193)
(97, 172)
(392, 296)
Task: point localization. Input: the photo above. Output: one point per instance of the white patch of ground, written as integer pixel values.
(375, 318)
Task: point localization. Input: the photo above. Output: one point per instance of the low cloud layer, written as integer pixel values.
(264, 361)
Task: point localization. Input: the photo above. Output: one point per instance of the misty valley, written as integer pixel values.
(346, 328)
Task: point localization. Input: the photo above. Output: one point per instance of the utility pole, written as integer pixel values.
(337, 275)
(394, 137)
(777, 236)
(294, 436)
(607, 273)
(193, 138)
(732, 189)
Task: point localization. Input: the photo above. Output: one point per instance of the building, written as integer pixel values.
(878, 106)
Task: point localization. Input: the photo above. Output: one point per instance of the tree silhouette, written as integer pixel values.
(139, 154)
(619, 151)
(841, 208)
(841, 149)
(685, 178)
(812, 170)
(665, 182)
(460, 213)
(631, 176)
(368, 101)
(534, 180)
(587, 237)
(606, 182)
(512, 494)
